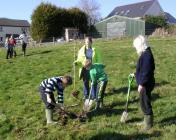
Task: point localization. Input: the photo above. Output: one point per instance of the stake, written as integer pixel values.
(74, 74)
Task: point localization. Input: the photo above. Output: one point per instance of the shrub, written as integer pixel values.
(157, 20)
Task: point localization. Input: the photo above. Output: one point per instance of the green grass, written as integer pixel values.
(22, 111)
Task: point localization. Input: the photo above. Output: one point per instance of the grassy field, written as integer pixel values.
(22, 115)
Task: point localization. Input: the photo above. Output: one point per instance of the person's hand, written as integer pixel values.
(48, 98)
(141, 89)
(132, 75)
(75, 63)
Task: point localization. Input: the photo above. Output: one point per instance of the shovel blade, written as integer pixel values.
(124, 116)
(87, 105)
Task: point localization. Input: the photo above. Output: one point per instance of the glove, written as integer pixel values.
(75, 63)
(132, 75)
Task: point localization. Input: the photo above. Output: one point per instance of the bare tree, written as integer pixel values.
(91, 8)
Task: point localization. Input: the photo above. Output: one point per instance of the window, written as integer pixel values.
(121, 13)
(117, 13)
(23, 29)
(1, 29)
(15, 35)
(8, 35)
(126, 13)
(1, 39)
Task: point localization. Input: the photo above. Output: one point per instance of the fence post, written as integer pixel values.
(53, 40)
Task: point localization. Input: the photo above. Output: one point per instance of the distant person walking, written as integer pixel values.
(24, 41)
(12, 43)
(9, 48)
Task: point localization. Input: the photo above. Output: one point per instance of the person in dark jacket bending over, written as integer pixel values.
(145, 79)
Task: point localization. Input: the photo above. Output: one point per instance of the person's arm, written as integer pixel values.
(49, 88)
(21, 36)
(60, 96)
(81, 57)
(14, 42)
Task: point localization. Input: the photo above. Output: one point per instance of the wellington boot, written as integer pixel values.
(140, 123)
(49, 116)
(101, 104)
(148, 122)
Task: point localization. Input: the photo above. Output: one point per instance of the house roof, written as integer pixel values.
(132, 10)
(170, 19)
(14, 22)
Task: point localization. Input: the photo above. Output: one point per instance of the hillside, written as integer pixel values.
(22, 114)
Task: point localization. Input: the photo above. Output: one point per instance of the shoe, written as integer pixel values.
(97, 106)
(85, 97)
(148, 122)
(93, 98)
(101, 104)
(140, 123)
(49, 117)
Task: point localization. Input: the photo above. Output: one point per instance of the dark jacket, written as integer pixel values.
(145, 69)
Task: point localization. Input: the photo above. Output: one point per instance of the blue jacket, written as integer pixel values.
(145, 69)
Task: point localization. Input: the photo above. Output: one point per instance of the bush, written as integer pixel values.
(44, 22)
(157, 20)
(172, 29)
(79, 19)
(50, 21)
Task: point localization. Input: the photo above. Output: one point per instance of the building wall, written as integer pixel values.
(133, 27)
(71, 33)
(155, 9)
(6, 30)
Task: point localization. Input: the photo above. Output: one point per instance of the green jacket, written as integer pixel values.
(81, 59)
(97, 73)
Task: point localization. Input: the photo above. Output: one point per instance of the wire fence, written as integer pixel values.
(113, 33)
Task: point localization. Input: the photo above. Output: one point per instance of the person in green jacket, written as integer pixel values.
(87, 52)
(99, 81)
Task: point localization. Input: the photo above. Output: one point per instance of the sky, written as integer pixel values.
(22, 9)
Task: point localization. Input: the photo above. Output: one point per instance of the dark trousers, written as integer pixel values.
(44, 98)
(9, 52)
(145, 102)
(14, 52)
(24, 48)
